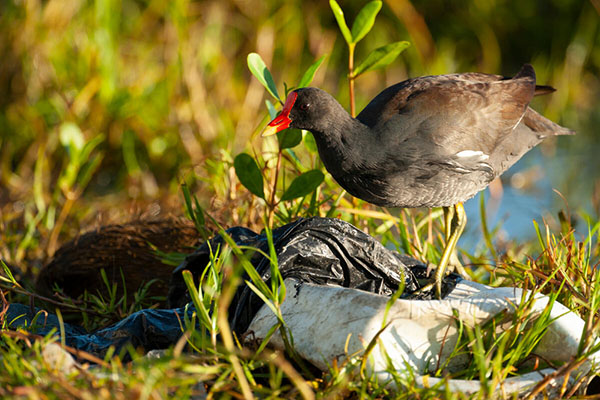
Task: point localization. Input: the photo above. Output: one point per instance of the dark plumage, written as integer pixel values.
(426, 142)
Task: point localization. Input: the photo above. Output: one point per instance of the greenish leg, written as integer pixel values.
(455, 220)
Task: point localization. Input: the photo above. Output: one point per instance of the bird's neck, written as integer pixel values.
(344, 145)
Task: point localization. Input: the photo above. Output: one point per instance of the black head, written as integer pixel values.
(308, 108)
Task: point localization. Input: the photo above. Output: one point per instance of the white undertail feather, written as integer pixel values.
(472, 153)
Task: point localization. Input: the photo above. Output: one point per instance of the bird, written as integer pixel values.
(429, 141)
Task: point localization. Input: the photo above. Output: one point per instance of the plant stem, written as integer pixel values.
(272, 204)
(351, 78)
(227, 336)
(71, 196)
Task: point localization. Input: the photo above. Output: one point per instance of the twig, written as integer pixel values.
(562, 371)
(4, 307)
(274, 185)
(49, 300)
(26, 336)
(71, 197)
(444, 340)
(305, 390)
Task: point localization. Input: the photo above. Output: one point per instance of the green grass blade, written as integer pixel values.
(9, 276)
(201, 310)
(247, 265)
(487, 237)
(265, 300)
(194, 211)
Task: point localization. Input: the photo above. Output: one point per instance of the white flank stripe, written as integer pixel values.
(472, 153)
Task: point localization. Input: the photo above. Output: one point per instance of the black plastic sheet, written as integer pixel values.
(323, 251)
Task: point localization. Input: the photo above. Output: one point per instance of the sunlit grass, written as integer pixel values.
(109, 107)
(221, 364)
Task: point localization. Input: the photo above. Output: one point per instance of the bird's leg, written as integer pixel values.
(448, 216)
(455, 220)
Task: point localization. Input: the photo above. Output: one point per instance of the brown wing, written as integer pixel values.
(457, 112)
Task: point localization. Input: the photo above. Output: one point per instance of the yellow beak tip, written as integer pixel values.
(269, 131)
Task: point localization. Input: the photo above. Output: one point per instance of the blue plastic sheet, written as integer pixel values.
(146, 329)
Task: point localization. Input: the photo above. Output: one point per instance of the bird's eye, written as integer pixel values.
(304, 106)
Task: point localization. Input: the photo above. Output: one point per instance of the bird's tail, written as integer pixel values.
(527, 72)
(542, 126)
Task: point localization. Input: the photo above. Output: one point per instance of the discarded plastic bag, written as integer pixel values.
(145, 329)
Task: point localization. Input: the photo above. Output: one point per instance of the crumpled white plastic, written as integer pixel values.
(420, 335)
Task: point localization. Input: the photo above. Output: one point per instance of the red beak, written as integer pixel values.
(283, 120)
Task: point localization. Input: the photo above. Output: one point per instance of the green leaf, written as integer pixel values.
(364, 20)
(303, 185)
(310, 72)
(381, 57)
(309, 141)
(339, 16)
(249, 174)
(257, 66)
(289, 138)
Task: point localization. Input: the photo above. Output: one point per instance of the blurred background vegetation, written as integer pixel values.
(107, 106)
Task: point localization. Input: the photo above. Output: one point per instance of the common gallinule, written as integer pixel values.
(432, 141)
